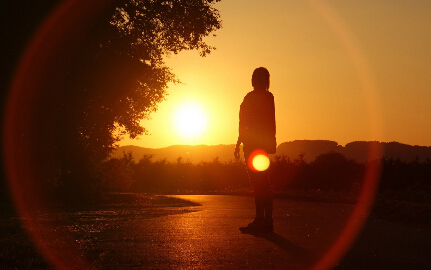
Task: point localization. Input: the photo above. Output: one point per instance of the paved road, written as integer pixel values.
(208, 238)
(383, 245)
(304, 232)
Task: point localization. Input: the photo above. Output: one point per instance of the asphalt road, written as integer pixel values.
(207, 237)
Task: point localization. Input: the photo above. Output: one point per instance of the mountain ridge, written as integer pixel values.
(310, 149)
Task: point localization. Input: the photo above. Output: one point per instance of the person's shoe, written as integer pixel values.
(257, 226)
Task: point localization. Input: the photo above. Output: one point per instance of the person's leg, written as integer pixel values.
(267, 201)
(258, 200)
(260, 207)
(263, 201)
(268, 206)
(263, 197)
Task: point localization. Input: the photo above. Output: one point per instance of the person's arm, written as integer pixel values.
(273, 125)
(236, 152)
(239, 141)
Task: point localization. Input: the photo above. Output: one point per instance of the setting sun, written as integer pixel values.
(190, 120)
(311, 100)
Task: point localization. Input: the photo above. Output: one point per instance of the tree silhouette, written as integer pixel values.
(333, 171)
(123, 75)
(99, 80)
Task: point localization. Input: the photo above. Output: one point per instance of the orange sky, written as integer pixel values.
(340, 70)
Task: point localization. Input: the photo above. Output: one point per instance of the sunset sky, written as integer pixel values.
(340, 70)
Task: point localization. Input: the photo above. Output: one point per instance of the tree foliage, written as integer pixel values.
(123, 75)
(97, 80)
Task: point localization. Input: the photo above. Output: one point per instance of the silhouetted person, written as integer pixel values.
(257, 132)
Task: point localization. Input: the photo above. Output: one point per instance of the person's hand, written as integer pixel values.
(236, 152)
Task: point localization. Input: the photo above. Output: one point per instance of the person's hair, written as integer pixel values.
(260, 78)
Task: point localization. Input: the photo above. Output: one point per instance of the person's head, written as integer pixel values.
(260, 79)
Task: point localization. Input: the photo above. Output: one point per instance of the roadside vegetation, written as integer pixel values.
(404, 193)
(127, 185)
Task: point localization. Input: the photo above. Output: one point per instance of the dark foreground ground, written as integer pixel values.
(201, 232)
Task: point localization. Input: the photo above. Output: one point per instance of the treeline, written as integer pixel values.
(331, 173)
(328, 172)
(160, 176)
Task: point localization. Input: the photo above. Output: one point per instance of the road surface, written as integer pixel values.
(207, 237)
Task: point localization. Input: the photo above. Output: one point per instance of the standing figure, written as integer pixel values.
(257, 134)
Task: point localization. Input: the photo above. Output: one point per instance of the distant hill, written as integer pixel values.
(192, 153)
(360, 151)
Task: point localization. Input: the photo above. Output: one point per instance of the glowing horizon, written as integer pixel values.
(340, 72)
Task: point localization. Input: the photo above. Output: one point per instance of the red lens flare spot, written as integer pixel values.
(258, 161)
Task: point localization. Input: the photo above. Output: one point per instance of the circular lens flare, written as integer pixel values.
(258, 161)
(21, 165)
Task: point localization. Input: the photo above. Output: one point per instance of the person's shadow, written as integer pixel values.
(298, 252)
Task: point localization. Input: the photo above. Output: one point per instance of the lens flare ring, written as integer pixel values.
(19, 165)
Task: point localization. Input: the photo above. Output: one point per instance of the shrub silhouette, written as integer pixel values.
(333, 171)
(330, 172)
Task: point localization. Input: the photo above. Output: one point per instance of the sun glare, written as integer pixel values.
(258, 161)
(190, 120)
